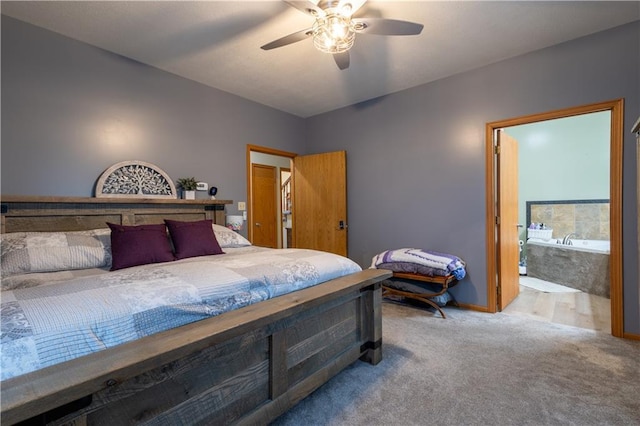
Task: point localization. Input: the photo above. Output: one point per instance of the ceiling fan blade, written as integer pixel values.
(342, 59)
(382, 26)
(306, 6)
(291, 38)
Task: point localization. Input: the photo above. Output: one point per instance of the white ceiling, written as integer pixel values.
(217, 43)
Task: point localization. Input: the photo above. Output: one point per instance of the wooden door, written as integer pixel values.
(264, 195)
(508, 238)
(320, 202)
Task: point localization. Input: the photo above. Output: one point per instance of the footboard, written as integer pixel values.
(246, 366)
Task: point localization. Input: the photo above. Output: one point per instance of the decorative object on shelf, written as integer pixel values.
(213, 191)
(135, 179)
(188, 186)
(235, 222)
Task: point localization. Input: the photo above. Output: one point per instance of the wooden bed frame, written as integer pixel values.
(246, 366)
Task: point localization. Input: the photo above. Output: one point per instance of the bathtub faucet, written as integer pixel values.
(567, 239)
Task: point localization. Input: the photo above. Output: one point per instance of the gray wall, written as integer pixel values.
(416, 158)
(70, 110)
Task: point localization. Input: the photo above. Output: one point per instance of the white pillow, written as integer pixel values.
(228, 238)
(26, 252)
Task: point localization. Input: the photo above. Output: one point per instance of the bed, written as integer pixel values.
(248, 363)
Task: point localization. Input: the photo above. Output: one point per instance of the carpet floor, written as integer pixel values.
(481, 369)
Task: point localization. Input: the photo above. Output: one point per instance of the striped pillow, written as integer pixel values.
(25, 252)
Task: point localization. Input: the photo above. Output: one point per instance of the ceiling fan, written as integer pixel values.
(336, 25)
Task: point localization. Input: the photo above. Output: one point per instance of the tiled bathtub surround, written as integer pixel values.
(587, 219)
(582, 270)
(560, 264)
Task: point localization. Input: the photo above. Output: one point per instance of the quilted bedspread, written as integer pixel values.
(60, 316)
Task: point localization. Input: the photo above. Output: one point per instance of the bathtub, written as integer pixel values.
(584, 265)
(595, 246)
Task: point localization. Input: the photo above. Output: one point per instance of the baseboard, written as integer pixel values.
(473, 307)
(631, 336)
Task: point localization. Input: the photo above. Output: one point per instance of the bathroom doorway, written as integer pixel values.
(563, 197)
(615, 109)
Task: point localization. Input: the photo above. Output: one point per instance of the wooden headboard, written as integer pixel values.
(36, 213)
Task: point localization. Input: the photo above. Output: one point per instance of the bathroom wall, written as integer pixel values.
(565, 159)
(588, 221)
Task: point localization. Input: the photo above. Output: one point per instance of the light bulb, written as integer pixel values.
(333, 33)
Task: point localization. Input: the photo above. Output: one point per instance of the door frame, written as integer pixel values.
(283, 233)
(616, 107)
(263, 150)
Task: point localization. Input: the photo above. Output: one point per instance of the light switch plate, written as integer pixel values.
(242, 205)
(202, 186)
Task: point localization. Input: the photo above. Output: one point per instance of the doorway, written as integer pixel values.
(318, 199)
(500, 277)
(264, 202)
(286, 200)
(265, 168)
(563, 196)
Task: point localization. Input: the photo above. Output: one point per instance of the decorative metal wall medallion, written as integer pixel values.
(135, 179)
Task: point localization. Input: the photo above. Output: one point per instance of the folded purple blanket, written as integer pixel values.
(431, 262)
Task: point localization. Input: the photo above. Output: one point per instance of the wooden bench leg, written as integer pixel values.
(414, 296)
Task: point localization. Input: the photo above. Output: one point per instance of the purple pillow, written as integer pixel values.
(191, 239)
(139, 245)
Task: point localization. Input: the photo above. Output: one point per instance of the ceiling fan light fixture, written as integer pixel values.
(333, 33)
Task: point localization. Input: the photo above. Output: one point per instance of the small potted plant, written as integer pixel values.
(188, 186)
